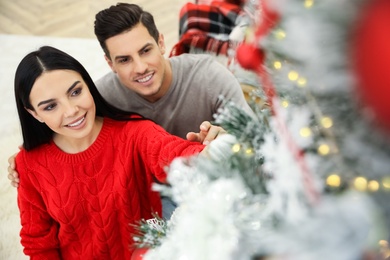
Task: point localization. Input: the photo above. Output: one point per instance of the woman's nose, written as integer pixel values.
(70, 109)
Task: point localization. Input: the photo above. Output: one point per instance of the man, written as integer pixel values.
(179, 93)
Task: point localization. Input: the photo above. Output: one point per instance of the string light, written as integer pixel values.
(280, 34)
(373, 186)
(302, 82)
(293, 75)
(323, 149)
(308, 3)
(383, 243)
(360, 183)
(285, 103)
(277, 65)
(249, 151)
(384, 247)
(386, 183)
(305, 132)
(326, 122)
(236, 148)
(333, 180)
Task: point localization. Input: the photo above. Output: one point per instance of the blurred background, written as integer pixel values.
(74, 19)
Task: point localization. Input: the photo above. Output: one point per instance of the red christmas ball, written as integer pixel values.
(249, 56)
(371, 58)
(139, 253)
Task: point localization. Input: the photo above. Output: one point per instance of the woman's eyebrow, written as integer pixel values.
(67, 92)
(73, 86)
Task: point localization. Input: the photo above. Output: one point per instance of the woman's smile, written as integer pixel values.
(77, 123)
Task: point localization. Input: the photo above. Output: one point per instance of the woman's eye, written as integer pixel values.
(50, 107)
(76, 92)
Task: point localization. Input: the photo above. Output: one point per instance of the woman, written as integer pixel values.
(86, 168)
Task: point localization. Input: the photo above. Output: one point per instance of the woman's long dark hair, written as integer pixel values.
(29, 69)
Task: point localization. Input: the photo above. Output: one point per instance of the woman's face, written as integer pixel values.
(61, 99)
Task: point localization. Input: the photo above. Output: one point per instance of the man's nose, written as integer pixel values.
(140, 66)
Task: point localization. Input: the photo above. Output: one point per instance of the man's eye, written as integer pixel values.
(123, 60)
(146, 50)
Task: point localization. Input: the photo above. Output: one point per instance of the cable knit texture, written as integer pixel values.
(80, 206)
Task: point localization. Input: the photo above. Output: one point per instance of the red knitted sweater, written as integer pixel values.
(80, 206)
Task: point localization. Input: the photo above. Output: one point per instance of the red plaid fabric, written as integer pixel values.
(207, 2)
(200, 23)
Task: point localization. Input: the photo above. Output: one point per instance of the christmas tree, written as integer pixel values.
(309, 176)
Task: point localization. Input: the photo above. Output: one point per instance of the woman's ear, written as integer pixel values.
(34, 114)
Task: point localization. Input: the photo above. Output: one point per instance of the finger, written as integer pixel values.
(213, 133)
(196, 137)
(15, 184)
(205, 126)
(13, 176)
(11, 162)
(10, 170)
(191, 136)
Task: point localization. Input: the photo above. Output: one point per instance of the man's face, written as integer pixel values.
(139, 62)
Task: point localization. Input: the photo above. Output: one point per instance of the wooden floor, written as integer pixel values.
(75, 18)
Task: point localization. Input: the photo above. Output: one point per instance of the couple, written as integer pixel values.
(87, 167)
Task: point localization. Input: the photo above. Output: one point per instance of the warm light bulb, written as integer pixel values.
(333, 180)
(249, 151)
(308, 3)
(302, 82)
(386, 183)
(384, 248)
(305, 132)
(323, 149)
(360, 183)
(326, 122)
(373, 186)
(293, 75)
(277, 65)
(280, 34)
(236, 148)
(285, 103)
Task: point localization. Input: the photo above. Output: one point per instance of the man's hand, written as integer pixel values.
(13, 175)
(208, 133)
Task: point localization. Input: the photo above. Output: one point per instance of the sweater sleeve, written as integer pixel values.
(39, 231)
(158, 148)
